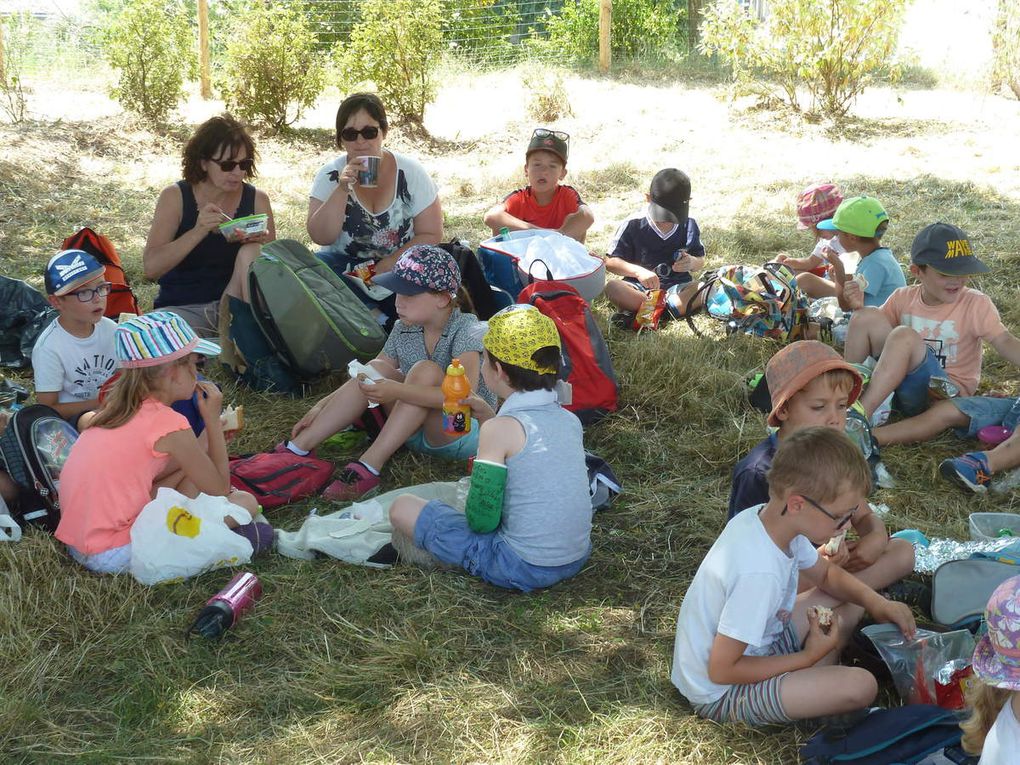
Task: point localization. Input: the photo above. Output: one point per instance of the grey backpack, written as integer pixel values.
(312, 320)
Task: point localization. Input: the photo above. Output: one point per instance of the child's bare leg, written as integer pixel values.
(623, 295)
(849, 615)
(939, 417)
(903, 351)
(896, 562)
(827, 690)
(238, 284)
(815, 286)
(866, 335)
(682, 297)
(404, 419)
(343, 407)
(404, 513)
(1006, 455)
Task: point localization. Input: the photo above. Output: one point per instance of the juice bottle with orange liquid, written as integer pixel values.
(456, 416)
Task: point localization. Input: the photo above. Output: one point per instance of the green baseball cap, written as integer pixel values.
(860, 216)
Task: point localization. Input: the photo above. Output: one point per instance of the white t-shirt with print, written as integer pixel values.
(74, 367)
(745, 589)
(1002, 744)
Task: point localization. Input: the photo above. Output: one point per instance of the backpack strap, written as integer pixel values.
(703, 288)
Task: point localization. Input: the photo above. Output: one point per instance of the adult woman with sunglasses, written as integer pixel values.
(185, 252)
(365, 223)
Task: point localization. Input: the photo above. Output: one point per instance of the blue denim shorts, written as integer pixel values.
(912, 392)
(986, 410)
(460, 449)
(445, 533)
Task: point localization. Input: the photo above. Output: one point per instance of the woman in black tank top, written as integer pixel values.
(185, 252)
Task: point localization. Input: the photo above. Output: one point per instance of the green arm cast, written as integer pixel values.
(485, 497)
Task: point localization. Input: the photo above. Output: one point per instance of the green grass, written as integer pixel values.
(343, 664)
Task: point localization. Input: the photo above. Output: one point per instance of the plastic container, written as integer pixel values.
(250, 225)
(456, 416)
(988, 526)
(993, 435)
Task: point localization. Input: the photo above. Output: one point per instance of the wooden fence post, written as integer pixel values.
(605, 34)
(203, 48)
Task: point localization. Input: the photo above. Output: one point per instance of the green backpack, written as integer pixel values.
(312, 320)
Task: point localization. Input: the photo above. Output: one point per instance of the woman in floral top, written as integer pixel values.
(360, 226)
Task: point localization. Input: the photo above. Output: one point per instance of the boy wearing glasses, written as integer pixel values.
(544, 203)
(74, 355)
(748, 647)
(813, 386)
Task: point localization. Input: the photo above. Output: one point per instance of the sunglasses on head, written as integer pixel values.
(228, 165)
(368, 133)
(88, 294)
(545, 133)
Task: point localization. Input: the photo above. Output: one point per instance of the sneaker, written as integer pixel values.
(354, 482)
(969, 471)
(622, 319)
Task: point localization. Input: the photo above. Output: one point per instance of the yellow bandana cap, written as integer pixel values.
(516, 332)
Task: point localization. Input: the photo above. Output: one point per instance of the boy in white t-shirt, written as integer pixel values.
(748, 648)
(74, 355)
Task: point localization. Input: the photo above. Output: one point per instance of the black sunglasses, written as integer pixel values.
(368, 133)
(840, 521)
(228, 165)
(545, 133)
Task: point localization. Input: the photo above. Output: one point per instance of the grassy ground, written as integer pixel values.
(343, 664)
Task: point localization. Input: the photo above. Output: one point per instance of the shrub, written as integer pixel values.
(16, 35)
(640, 28)
(548, 100)
(830, 47)
(272, 71)
(396, 47)
(151, 44)
(481, 30)
(1006, 47)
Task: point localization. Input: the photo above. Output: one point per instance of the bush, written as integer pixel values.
(16, 35)
(1006, 47)
(547, 100)
(640, 28)
(272, 72)
(481, 30)
(396, 47)
(151, 44)
(830, 47)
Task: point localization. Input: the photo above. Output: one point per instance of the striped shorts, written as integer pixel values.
(755, 703)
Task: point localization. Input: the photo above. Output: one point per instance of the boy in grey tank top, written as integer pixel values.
(527, 522)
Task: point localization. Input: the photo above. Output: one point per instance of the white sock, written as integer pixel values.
(369, 468)
(292, 447)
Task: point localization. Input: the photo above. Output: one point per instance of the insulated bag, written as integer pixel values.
(34, 448)
(586, 362)
(960, 589)
(278, 478)
(515, 260)
(899, 736)
(313, 320)
(121, 298)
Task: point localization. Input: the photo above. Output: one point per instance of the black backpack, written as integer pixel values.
(34, 448)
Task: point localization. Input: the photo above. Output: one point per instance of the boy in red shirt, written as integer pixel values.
(544, 202)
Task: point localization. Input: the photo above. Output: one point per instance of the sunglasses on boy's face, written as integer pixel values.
(840, 521)
(89, 294)
(228, 165)
(544, 133)
(368, 133)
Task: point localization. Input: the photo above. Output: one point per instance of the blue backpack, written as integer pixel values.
(900, 736)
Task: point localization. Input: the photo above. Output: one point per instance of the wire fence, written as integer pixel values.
(47, 45)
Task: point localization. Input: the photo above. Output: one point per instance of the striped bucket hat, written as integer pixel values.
(157, 338)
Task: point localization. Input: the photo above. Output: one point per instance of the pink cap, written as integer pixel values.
(817, 203)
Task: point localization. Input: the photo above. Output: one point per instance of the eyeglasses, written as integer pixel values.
(228, 165)
(840, 521)
(545, 133)
(368, 133)
(88, 294)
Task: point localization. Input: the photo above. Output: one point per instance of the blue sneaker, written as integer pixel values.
(970, 471)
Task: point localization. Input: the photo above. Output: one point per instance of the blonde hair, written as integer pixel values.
(985, 703)
(842, 380)
(128, 391)
(820, 462)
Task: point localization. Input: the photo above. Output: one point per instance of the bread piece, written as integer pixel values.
(233, 418)
(824, 618)
(832, 546)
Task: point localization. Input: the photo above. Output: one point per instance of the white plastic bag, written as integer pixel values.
(565, 258)
(175, 537)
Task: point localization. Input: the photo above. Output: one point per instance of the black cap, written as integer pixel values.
(671, 196)
(947, 249)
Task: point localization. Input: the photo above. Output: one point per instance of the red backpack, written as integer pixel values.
(121, 299)
(587, 366)
(278, 478)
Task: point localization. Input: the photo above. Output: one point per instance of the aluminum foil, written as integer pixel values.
(939, 551)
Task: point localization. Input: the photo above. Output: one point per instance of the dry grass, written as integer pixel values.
(341, 664)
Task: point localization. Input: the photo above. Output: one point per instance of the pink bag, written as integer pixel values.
(277, 478)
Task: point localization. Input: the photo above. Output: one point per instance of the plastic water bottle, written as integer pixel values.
(504, 234)
(224, 609)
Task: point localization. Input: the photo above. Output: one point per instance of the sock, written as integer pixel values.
(369, 468)
(292, 447)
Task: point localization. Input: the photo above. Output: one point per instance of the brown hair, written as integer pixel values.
(523, 379)
(215, 134)
(985, 702)
(353, 104)
(132, 386)
(820, 462)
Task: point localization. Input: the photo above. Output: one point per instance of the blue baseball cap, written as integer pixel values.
(69, 269)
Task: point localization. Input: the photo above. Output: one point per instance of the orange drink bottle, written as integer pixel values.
(456, 416)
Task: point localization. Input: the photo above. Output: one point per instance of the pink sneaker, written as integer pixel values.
(354, 482)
